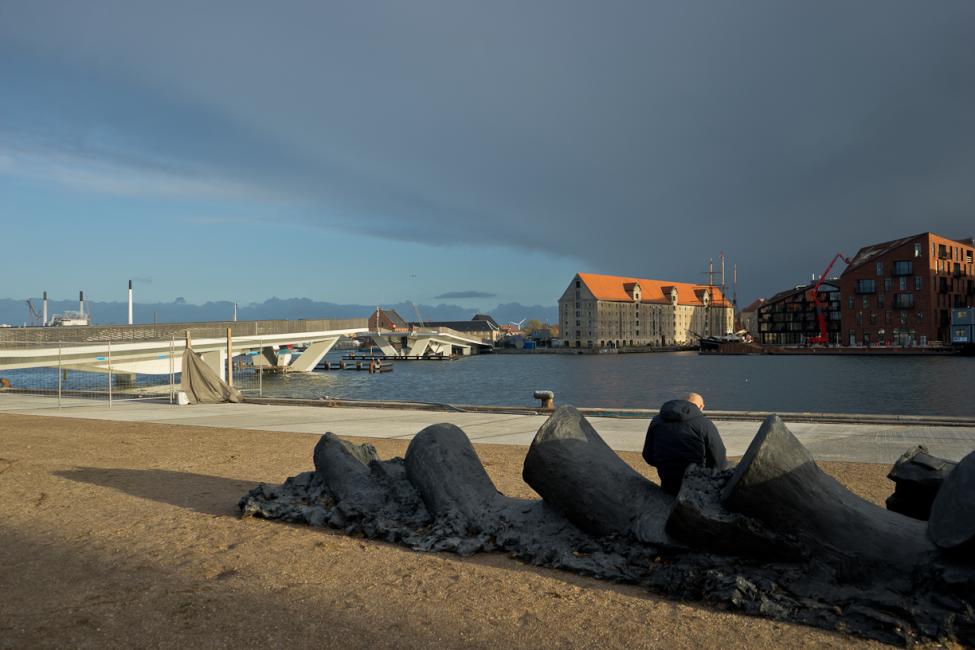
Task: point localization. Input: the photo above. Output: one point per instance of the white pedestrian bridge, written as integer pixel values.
(158, 349)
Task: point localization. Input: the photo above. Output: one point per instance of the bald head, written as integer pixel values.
(695, 399)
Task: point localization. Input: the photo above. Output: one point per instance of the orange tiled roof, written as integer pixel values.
(613, 287)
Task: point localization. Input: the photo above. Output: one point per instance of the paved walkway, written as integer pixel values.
(867, 443)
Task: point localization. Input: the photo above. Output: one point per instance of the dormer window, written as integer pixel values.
(632, 290)
(707, 298)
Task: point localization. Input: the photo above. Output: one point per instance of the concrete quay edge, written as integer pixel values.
(748, 416)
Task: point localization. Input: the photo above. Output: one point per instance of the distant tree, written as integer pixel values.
(532, 325)
(554, 329)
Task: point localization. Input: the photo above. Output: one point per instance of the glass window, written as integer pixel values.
(902, 284)
(903, 267)
(917, 250)
(887, 286)
(903, 300)
(851, 302)
(880, 268)
(917, 283)
(866, 286)
(880, 300)
(866, 301)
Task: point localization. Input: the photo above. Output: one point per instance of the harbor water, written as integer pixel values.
(937, 385)
(857, 384)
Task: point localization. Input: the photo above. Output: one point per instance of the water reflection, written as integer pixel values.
(901, 385)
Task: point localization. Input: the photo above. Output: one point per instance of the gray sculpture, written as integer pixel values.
(917, 477)
(774, 537)
(952, 523)
(572, 468)
(779, 483)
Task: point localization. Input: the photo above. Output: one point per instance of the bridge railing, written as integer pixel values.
(72, 373)
(452, 332)
(166, 331)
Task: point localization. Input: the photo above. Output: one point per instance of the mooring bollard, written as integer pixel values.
(547, 398)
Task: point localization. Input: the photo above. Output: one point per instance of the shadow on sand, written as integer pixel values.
(211, 495)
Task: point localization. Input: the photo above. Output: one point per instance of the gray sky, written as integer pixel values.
(636, 138)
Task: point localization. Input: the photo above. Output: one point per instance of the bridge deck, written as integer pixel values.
(169, 331)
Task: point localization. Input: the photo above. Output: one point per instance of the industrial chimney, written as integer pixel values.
(130, 302)
(81, 303)
(44, 311)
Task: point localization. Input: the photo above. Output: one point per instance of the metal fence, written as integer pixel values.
(142, 362)
(71, 373)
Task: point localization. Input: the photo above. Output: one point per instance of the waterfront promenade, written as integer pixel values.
(126, 533)
(845, 441)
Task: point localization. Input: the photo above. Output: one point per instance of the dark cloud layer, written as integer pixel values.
(458, 295)
(640, 137)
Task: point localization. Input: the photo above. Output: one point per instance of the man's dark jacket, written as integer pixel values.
(678, 437)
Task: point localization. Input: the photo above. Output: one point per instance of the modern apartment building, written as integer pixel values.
(790, 317)
(613, 311)
(901, 292)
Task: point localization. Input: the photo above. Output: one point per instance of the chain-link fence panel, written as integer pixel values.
(59, 373)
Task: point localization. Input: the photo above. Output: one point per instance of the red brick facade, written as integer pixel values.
(902, 292)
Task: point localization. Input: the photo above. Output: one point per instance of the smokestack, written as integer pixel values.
(235, 311)
(81, 303)
(44, 311)
(130, 302)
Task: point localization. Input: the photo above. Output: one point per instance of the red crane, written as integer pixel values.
(813, 295)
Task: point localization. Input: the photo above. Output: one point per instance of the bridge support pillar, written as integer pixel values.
(308, 359)
(265, 358)
(441, 347)
(217, 360)
(419, 347)
(383, 343)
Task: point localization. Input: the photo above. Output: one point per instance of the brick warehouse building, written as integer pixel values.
(901, 292)
(612, 311)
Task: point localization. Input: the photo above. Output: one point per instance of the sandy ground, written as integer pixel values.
(115, 534)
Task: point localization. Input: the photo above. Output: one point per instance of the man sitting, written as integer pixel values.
(680, 436)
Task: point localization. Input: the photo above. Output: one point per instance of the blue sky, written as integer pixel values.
(352, 152)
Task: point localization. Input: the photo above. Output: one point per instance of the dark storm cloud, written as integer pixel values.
(640, 137)
(458, 295)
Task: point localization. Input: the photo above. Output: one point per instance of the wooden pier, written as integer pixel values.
(371, 365)
(367, 357)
